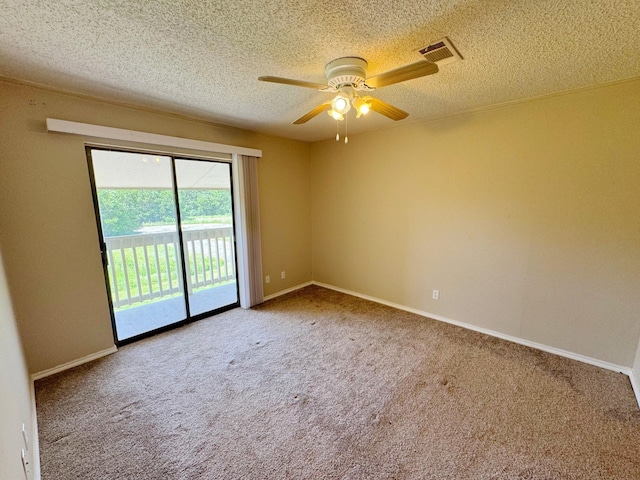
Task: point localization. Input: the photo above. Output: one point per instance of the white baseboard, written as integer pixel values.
(635, 384)
(34, 415)
(288, 290)
(73, 363)
(35, 443)
(493, 333)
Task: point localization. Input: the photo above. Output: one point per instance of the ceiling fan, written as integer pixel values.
(347, 78)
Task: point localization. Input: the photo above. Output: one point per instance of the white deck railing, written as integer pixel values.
(147, 266)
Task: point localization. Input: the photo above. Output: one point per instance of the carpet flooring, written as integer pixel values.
(318, 384)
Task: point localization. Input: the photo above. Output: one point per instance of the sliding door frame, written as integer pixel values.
(232, 163)
(209, 313)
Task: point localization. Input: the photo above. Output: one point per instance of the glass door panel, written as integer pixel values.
(135, 201)
(208, 238)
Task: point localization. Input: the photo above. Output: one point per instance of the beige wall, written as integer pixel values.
(15, 403)
(48, 224)
(526, 218)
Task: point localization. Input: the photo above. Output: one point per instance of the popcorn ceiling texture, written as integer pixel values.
(202, 58)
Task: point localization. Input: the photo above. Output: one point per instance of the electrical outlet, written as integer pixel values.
(436, 295)
(283, 275)
(267, 279)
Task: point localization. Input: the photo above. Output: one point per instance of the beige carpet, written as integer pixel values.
(318, 384)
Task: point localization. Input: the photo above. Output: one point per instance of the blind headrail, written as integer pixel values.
(111, 133)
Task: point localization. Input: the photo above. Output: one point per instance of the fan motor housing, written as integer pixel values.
(346, 71)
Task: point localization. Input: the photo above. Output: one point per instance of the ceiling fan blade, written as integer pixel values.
(316, 111)
(386, 109)
(289, 81)
(402, 74)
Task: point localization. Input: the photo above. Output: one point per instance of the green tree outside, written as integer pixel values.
(124, 211)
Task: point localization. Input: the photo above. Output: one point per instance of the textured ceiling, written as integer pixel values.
(202, 57)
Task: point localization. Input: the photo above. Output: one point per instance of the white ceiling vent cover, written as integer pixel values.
(441, 52)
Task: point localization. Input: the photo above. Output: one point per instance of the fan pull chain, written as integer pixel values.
(337, 130)
(346, 129)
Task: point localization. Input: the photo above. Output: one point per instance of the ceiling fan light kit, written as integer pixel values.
(341, 103)
(347, 77)
(362, 105)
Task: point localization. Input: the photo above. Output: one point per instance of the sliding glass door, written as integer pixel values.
(208, 241)
(167, 238)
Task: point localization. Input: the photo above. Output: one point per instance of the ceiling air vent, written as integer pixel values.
(441, 52)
